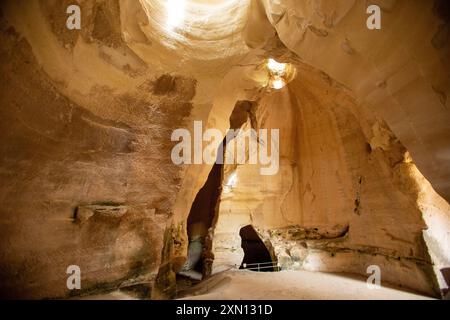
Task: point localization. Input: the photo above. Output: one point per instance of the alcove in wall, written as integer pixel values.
(256, 255)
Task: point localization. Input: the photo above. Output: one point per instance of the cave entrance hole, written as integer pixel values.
(256, 255)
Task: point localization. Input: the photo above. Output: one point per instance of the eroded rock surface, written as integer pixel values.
(87, 115)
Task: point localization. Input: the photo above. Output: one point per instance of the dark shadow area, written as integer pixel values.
(256, 255)
(201, 220)
(203, 214)
(446, 274)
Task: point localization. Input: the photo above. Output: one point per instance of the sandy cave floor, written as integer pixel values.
(285, 285)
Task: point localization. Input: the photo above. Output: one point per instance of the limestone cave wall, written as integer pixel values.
(346, 196)
(87, 115)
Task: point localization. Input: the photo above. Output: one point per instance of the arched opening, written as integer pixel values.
(256, 255)
(199, 226)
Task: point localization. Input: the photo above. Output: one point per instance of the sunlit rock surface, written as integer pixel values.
(87, 117)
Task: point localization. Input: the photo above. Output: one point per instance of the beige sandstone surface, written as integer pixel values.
(86, 119)
(293, 285)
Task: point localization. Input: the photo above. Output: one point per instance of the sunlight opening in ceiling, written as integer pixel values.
(276, 67)
(201, 30)
(280, 74)
(175, 13)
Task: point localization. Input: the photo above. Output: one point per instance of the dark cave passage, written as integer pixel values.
(202, 216)
(200, 225)
(256, 255)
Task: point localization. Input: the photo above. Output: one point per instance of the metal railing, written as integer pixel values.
(262, 266)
